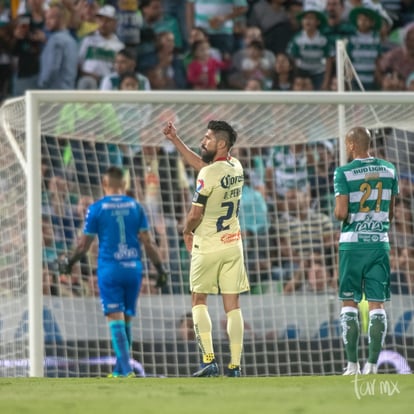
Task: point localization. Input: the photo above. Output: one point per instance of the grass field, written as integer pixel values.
(331, 394)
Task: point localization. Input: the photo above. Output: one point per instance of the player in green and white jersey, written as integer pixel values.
(365, 191)
(212, 235)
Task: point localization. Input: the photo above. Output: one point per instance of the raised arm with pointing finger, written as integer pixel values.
(192, 158)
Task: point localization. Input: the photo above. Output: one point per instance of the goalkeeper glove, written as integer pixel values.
(63, 266)
(162, 276)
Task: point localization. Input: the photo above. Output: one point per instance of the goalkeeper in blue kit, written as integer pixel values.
(121, 226)
(365, 192)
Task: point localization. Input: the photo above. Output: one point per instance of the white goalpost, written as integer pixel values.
(55, 145)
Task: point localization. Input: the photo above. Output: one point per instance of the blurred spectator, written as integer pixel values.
(204, 71)
(294, 8)
(6, 46)
(364, 47)
(286, 168)
(387, 39)
(88, 22)
(401, 58)
(217, 18)
(97, 51)
(312, 277)
(125, 62)
(128, 82)
(321, 172)
(253, 84)
(130, 22)
(240, 59)
(185, 328)
(49, 251)
(303, 231)
(177, 9)
(392, 81)
(255, 65)
(272, 18)
(72, 17)
(254, 224)
(155, 19)
(168, 71)
(253, 161)
(58, 60)
(59, 207)
(338, 27)
(29, 37)
(197, 34)
(284, 72)
(310, 47)
(302, 82)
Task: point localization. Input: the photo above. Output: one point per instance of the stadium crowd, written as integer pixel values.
(287, 206)
(178, 44)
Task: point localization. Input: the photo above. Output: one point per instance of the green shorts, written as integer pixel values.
(364, 271)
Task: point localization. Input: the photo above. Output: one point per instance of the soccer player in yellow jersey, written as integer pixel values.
(212, 236)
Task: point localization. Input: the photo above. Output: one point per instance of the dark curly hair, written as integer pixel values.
(223, 130)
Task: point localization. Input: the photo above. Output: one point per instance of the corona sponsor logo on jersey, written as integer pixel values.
(229, 180)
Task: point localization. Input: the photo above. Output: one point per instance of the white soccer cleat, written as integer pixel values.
(352, 369)
(370, 368)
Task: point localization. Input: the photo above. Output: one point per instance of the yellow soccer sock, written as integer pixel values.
(202, 329)
(235, 331)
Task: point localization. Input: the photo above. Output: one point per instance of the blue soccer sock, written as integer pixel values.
(128, 331)
(121, 347)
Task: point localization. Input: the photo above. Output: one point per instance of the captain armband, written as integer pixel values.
(199, 198)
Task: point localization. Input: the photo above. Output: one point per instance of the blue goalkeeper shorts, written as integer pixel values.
(119, 285)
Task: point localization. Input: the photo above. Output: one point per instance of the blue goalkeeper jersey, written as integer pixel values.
(117, 220)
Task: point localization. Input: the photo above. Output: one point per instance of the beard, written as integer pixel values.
(208, 156)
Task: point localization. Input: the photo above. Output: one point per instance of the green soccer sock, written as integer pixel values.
(377, 330)
(350, 332)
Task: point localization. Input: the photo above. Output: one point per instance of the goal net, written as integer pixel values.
(54, 149)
